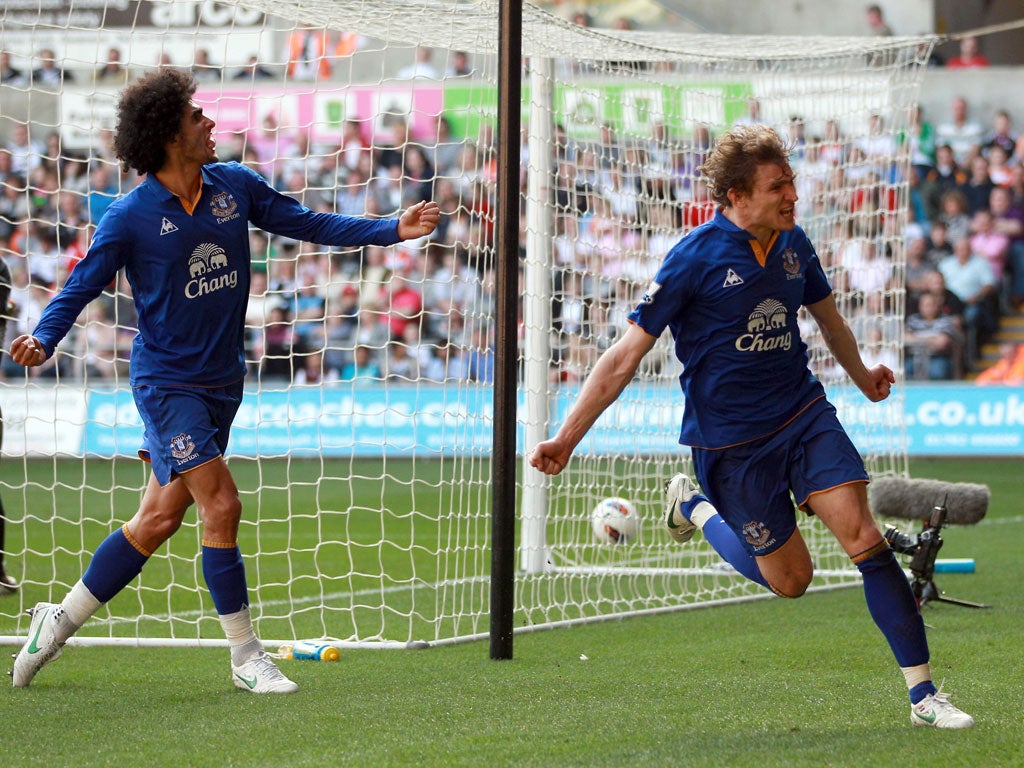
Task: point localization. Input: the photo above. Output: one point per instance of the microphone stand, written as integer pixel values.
(923, 549)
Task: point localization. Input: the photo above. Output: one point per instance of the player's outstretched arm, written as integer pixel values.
(419, 220)
(25, 350)
(613, 371)
(875, 382)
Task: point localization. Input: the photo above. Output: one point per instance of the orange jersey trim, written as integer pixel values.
(761, 254)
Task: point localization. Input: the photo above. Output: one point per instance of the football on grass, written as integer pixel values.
(614, 521)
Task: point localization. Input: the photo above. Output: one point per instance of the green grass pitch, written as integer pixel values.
(769, 683)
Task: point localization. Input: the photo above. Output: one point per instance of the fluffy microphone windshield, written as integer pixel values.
(913, 499)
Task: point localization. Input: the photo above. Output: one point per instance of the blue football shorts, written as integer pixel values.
(185, 427)
(753, 485)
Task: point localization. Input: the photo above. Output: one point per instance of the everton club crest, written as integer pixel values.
(182, 447)
(791, 263)
(224, 207)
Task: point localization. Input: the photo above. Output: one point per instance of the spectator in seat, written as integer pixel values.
(447, 364)
(253, 70)
(48, 73)
(943, 177)
(103, 190)
(917, 270)
(874, 16)
(939, 246)
(202, 69)
(969, 57)
(1008, 369)
(932, 343)
(279, 343)
(96, 344)
(445, 154)
(949, 303)
(955, 215)
(313, 370)
(979, 184)
(1002, 133)
(921, 139)
(363, 365)
(999, 168)
(422, 67)
(403, 304)
(353, 144)
(970, 277)
(25, 152)
(399, 365)
(989, 243)
(961, 132)
(113, 72)
(458, 65)
(1008, 219)
(9, 75)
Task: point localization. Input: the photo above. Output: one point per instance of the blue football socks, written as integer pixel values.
(892, 605)
(724, 540)
(115, 563)
(224, 573)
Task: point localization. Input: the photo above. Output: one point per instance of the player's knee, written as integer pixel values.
(221, 518)
(788, 570)
(790, 593)
(792, 584)
(152, 527)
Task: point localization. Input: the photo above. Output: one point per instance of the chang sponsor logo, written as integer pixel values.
(766, 329)
(207, 269)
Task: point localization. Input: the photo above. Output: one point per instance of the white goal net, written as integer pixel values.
(362, 447)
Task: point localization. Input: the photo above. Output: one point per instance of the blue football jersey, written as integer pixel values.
(189, 273)
(732, 311)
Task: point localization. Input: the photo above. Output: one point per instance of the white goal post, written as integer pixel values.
(362, 447)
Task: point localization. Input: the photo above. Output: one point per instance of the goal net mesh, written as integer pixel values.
(362, 447)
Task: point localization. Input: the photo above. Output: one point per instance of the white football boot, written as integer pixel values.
(935, 711)
(42, 645)
(260, 675)
(679, 490)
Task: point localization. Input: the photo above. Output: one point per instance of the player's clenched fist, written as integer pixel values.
(25, 350)
(550, 457)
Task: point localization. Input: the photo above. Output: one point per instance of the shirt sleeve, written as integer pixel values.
(87, 280)
(283, 215)
(816, 285)
(666, 296)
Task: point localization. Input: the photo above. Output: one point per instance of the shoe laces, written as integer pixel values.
(941, 697)
(940, 702)
(267, 669)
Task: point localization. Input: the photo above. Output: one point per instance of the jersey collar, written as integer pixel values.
(727, 225)
(164, 194)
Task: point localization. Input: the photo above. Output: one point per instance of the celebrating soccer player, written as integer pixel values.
(757, 420)
(182, 237)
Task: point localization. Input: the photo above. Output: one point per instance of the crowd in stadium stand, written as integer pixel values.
(964, 241)
(423, 311)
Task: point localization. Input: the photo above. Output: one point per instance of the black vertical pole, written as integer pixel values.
(503, 458)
